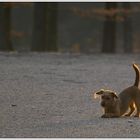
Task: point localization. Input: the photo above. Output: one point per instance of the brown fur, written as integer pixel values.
(117, 105)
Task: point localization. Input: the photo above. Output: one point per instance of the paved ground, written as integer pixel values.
(49, 95)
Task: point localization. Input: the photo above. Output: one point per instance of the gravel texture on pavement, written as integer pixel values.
(49, 95)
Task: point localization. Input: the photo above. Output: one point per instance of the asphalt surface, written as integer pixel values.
(49, 95)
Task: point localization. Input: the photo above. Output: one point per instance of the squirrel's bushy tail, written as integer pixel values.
(137, 71)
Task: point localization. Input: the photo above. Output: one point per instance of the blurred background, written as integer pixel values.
(84, 27)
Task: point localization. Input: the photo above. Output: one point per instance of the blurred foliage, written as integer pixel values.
(101, 13)
(15, 4)
(46, 26)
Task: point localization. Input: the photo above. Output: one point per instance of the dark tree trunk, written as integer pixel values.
(52, 27)
(109, 31)
(5, 28)
(45, 27)
(39, 27)
(127, 30)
